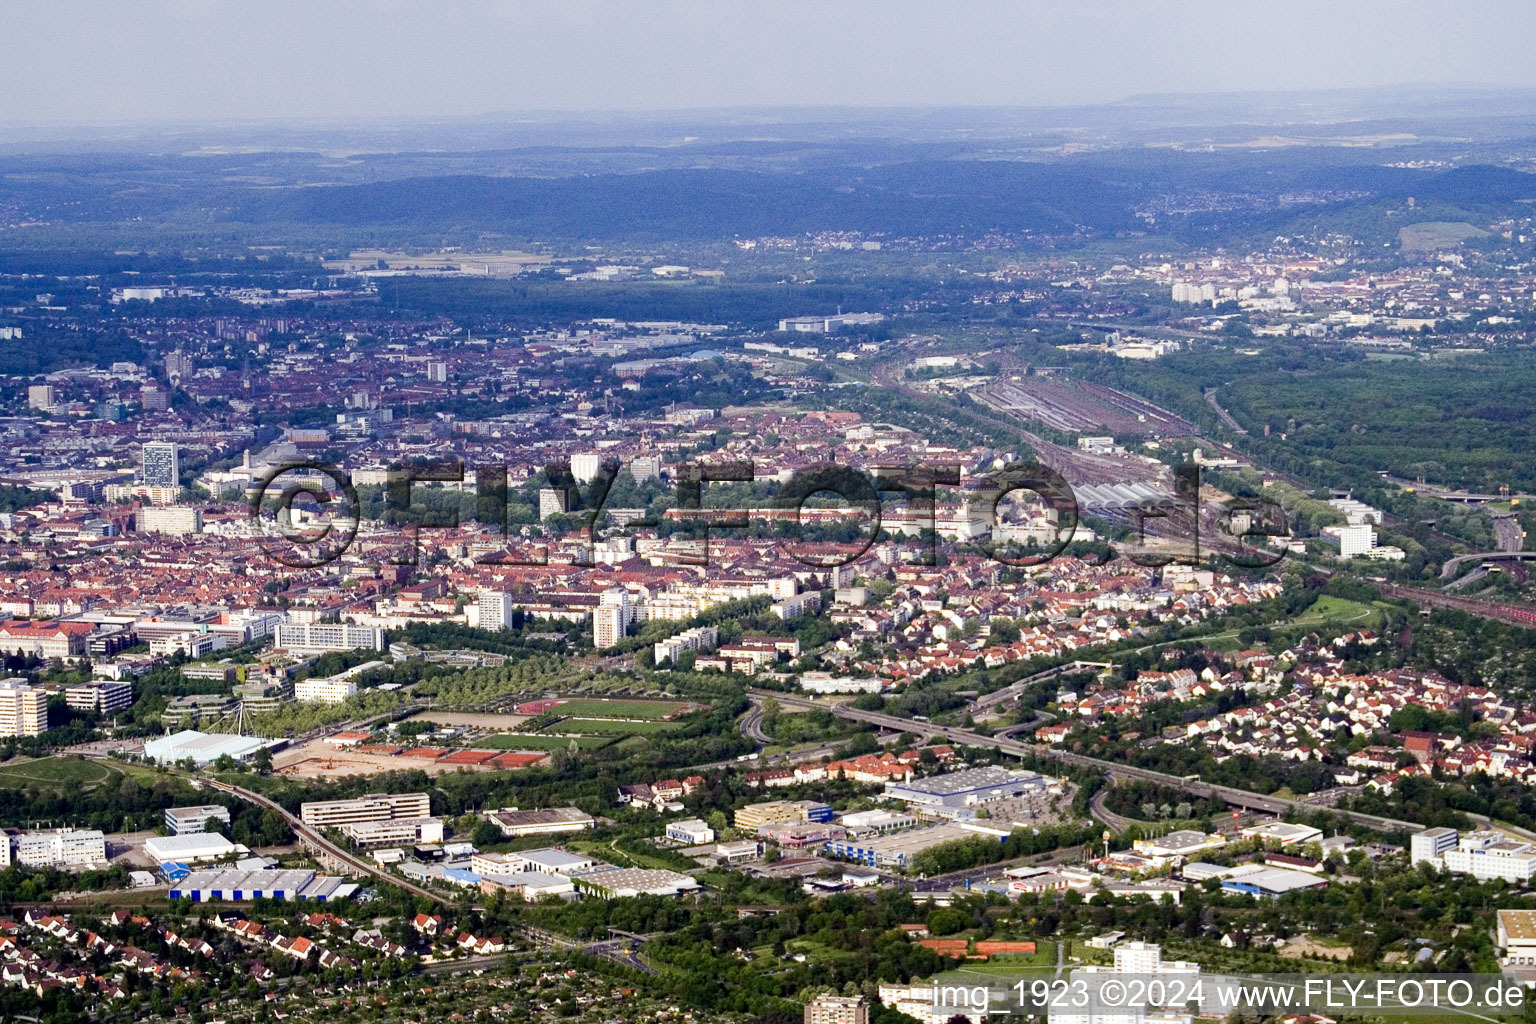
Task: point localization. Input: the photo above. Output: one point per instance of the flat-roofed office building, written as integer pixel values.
(376, 807)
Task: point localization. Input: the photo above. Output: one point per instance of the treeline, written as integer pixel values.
(982, 850)
(512, 642)
(1149, 801)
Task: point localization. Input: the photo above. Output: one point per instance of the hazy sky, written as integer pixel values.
(106, 61)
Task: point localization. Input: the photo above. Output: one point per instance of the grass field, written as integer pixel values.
(1437, 234)
(649, 710)
(523, 741)
(613, 727)
(1329, 610)
(55, 773)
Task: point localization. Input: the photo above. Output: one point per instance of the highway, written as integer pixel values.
(1116, 822)
(1226, 417)
(752, 726)
(955, 734)
(1453, 565)
(1016, 689)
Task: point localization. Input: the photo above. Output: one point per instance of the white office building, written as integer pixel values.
(692, 831)
(62, 847)
(1487, 855)
(699, 638)
(1429, 846)
(377, 807)
(1134, 958)
(320, 637)
(1353, 541)
(182, 821)
(325, 690)
(395, 831)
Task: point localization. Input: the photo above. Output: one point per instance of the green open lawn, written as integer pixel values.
(55, 773)
(524, 741)
(644, 709)
(1329, 610)
(612, 727)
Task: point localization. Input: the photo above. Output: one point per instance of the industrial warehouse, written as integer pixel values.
(235, 884)
(957, 794)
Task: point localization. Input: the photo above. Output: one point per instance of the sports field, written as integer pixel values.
(643, 709)
(524, 741)
(613, 727)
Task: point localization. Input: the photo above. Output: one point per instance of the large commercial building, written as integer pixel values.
(161, 467)
(546, 860)
(1517, 937)
(181, 821)
(753, 816)
(23, 709)
(62, 847)
(1266, 880)
(395, 831)
(958, 791)
(1487, 855)
(201, 748)
(620, 883)
(50, 639)
(1183, 843)
(693, 831)
(41, 396)
(544, 820)
(1283, 833)
(190, 847)
(899, 848)
(825, 325)
(175, 520)
(375, 807)
(1352, 540)
(238, 884)
(320, 637)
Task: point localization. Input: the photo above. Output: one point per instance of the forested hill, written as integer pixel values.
(905, 199)
(920, 198)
